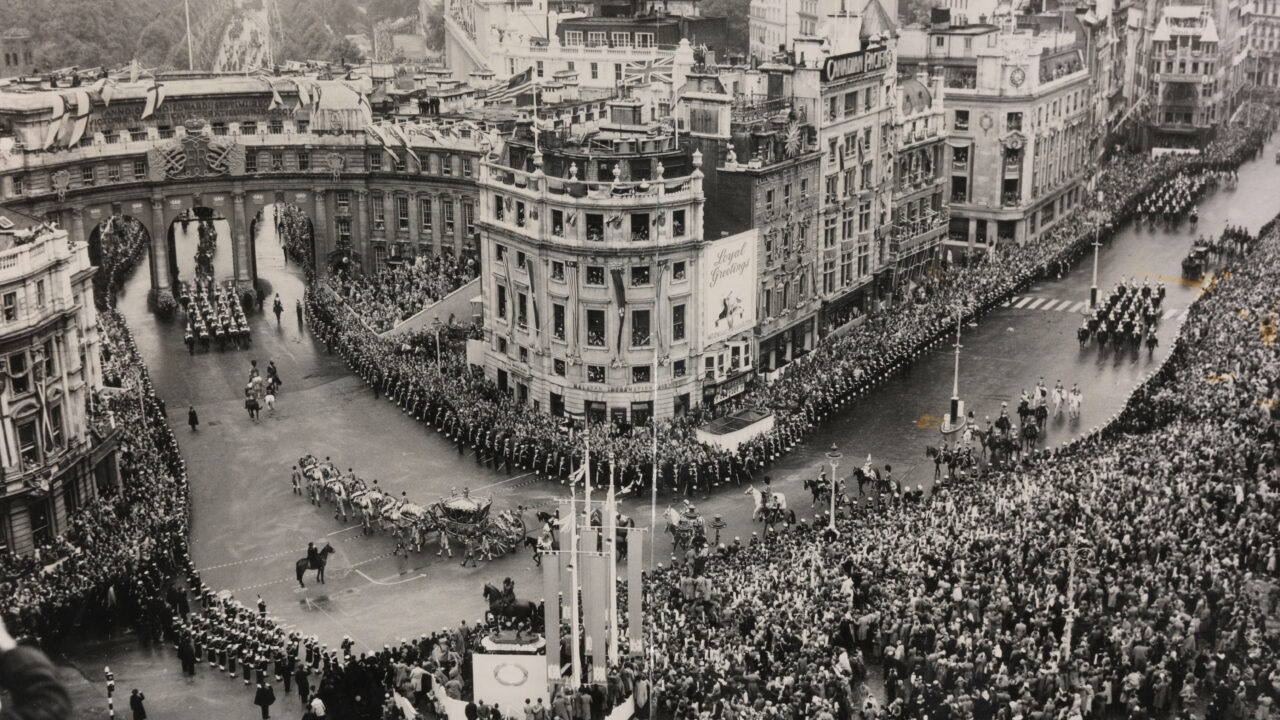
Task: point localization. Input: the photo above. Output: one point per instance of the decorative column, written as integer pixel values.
(360, 241)
(243, 264)
(77, 225)
(319, 230)
(459, 226)
(437, 223)
(415, 222)
(160, 280)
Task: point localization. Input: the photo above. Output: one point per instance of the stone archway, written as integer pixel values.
(116, 245)
(288, 229)
(201, 246)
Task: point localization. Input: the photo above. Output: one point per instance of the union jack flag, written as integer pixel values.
(643, 72)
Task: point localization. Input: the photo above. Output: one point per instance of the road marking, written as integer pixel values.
(1022, 302)
(339, 532)
(1010, 301)
(1168, 314)
(503, 482)
(1035, 304)
(261, 585)
(382, 582)
(249, 560)
(1078, 307)
(1184, 312)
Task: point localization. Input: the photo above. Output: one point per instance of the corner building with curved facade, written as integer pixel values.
(595, 267)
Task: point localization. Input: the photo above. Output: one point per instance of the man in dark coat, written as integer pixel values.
(302, 676)
(135, 704)
(192, 418)
(264, 698)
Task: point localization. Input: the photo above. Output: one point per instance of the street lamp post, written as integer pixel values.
(1097, 228)
(833, 457)
(955, 378)
(437, 326)
(1073, 552)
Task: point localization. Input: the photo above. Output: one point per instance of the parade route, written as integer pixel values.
(248, 526)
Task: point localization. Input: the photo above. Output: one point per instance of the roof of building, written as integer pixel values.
(915, 96)
(876, 20)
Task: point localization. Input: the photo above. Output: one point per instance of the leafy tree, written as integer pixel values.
(737, 14)
(434, 23)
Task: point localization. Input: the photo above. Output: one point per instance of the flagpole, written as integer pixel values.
(574, 635)
(191, 58)
(611, 527)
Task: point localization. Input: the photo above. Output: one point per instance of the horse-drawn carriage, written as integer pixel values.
(467, 518)
(1195, 263)
(684, 526)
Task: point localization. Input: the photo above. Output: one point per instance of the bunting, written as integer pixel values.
(155, 96)
(620, 291)
(519, 83)
(530, 265)
(276, 100)
(81, 119)
(55, 124)
(381, 137)
(403, 137)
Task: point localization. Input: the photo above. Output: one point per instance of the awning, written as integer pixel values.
(960, 142)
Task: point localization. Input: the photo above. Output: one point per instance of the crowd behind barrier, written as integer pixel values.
(396, 293)
(1131, 573)
(474, 412)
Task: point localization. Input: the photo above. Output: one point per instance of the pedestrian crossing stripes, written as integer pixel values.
(1075, 307)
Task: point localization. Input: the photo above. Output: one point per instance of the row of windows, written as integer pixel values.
(91, 175)
(11, 59)
(870, 100)
(595, 276)
(610, 39)
(426, 213)
(597, 324)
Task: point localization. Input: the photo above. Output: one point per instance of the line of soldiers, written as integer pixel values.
(1129, 312)
(1174, 198)
(213, 313)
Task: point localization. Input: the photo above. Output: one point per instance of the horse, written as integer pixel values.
(821, 489)
(369, 503)
(305, 564)
(777, 503)
(681, 534)
(409, 521)
(518, 610)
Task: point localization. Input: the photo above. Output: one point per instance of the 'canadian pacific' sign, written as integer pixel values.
(840, 67)
(728, 272)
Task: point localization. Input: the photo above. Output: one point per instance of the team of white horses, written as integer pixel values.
(411, 524)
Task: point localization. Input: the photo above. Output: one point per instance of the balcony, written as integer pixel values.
(593, 212)
(1010, 199)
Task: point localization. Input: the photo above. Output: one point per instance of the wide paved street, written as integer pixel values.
(248, 528)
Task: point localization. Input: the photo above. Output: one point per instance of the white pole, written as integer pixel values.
(573, 567)
(191, 57)
(611, 526)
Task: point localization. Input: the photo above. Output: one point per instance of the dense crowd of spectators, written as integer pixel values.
(393, 294)
(1129, 574)
(112, 563)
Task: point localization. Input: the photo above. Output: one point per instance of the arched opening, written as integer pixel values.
(282, 240)
(116, 246)
(286, 229)
(194, 251)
